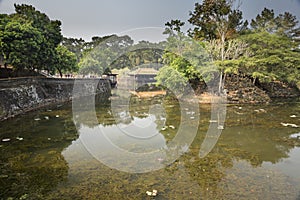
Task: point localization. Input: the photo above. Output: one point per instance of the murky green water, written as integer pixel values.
(256, 157)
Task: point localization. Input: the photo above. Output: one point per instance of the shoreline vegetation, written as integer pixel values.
(251, 61)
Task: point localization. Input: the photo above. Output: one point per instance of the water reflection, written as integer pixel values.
(255, 157)
(137, 146)
(33, 166)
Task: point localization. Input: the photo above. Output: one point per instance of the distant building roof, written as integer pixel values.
(144, 71)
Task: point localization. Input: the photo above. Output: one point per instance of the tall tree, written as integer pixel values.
(284, 24)
(21, 43)
(216, 21)
(264, 21)
(49, 29)
(29, 38)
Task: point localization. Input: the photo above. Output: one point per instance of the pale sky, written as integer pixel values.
(141, 19)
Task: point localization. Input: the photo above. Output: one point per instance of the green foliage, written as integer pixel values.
(89, 65)
(145, 52)
(118, 52)
(21, 43)
(64, 61)
(28, 39)
(49, 29)
(171, 79)
(185, 61)
(77, 46)
(273, 57)
(215, 19)
(268, 51)
(172, 27)
(264, 21)
(283, 24)
(103, 52)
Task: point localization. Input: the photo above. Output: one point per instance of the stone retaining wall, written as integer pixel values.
(24, 94)
(242, 90)
(280, 90)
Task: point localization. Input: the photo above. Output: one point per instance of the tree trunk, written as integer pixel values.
(224, 79)
(222, 58)
(60, 73)
(220, 82)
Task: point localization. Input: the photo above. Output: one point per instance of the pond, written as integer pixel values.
(44, 155)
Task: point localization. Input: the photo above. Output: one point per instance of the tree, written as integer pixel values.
(29, 38)
(145, 52)
(64, 61)
(273, 57)
(215, 19)
(21, 43)
(49, 29)
(186, 62)
(103, 52)
(77, 46)
(274, 43)
(174, 26)
(90, 65)
(288, 25)
(171, 79)
(4, 19)
(284, 24)
(216, 22)
(234, 52)
(264, 21)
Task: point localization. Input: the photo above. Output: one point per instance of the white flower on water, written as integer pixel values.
(153, 193)
(288, 124)
(172, 127)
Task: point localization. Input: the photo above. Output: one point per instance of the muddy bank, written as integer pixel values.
(21, 95)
